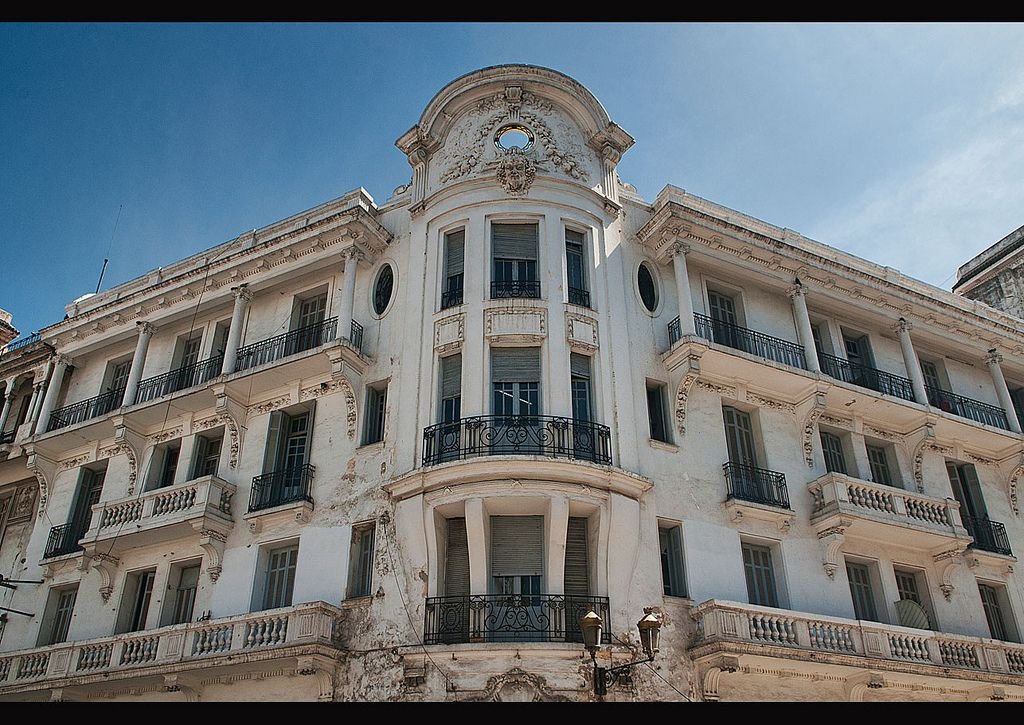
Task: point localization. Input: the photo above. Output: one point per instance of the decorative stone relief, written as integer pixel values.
(832, 540)
(516, 172)
(268, 405)
(515, 325)
(1018, 472)
(212, 543)
(129, 453)
(726, 391)
(927, 444)
(229, 423)
(21, 506)
(809, 422)
(166, 435)
(692, 367)
(449, 333)
(879, 433)
(948, 561)
(338, 382)
(581, 332)
(711, 681)
(838, 422)
(75, 462)
(106, 567)
(770, 403)
(517, 685)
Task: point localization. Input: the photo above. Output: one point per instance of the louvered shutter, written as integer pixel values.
(456, 568)
(454, 252)
(577, 578)
(579, 364)
(972, 489)
(274, 435)
(514, 241)
(515, 365)
(517, 545)
(451, 376)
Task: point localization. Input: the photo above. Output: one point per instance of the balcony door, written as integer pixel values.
(286, 455)
(308, 315)
(89, 489)
(188, 358)
(517, 574)
(862, 364)
(739, 440)
(723, 320)
(515, 401)
(514, 250)
(453, 615)
(973, 512)
(448, 441)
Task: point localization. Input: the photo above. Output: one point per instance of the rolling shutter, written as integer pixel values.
(579, 364)
(517, 545)
(577, 578)
(514, 241)
(515, 365)
(451, 376)
(456, 568)
(454, 252)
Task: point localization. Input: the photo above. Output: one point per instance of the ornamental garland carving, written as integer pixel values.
(809, 422)
(879, 433)
(517, 685)
(1018, 472)
(229, 423)
(682, 392)
(21, 504)
(166, 435)
(726, 391)
(770, 403)
(337, 383)
(41, 480)
(928, 444)
(75, 462)
(268, 405)
(833, 420)
(129, 453)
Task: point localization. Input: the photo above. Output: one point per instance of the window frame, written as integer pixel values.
(361, 559)
(769, 585)
(673, 562)
(374, 425)
(659, 390)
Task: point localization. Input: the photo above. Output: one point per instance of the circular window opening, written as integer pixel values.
(647, 286)
(513, 137)
(383, 289)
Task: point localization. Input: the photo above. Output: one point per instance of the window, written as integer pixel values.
(286, 471)
(163, 465)
(60, 606)
(451, 388)
(514, 254)
(182, 584)
(456, 567)
(832, 447)
(967, 489)
(878, 460)
(858, 351)
(997, 612)
(760, 575)
(307, 330)
(861, 591)
(454, 264)
(138, 593)
(383, 289)
(579, 383)
(517, 554)
(577, 569)
(117, 381)
(280, 576)
(912, 609)
(656, 411)
(739, 437)
(575, 264)
(670, 538)
(647, 287)
(930, 371)
(360, 563)
(90, 486)
(515, 381)
(376, 404)
(725, 327)
(206, 455)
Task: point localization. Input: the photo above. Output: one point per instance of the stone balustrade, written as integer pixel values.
(723, 621)
(198, 642)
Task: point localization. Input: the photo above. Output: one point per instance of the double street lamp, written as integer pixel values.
(592, 625)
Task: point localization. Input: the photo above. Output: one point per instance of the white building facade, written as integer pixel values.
(395, 452)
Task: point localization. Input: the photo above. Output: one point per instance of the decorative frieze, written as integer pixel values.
(726, 391)
(581, 332)
(449, 333)
(268, 405)
(816, 411)
(21, 504)
(770, 403)
(166, 435)
(517, 324)
(337, 382)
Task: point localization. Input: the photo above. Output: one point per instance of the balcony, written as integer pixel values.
(160, 515)
(286, 486)
(510, 618)
(866, 377)
(63, 540)
(757, 635)
(884, 514)
(757, 493)
(578, 296)
(290, 343)
(179, 379)
(515, 288)
(85, 409)
(294, 631)
(355, 335)
(502, 435)
(452, 296)
(966, 407)
(988, 535)
(740, 338)
(19, 344)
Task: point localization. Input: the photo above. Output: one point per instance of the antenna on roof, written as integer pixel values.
(109, 247)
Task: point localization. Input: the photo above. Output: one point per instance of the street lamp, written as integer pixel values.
(592, 625)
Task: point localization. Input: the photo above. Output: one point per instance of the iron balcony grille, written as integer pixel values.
(501, 435)
(179, 379)
(511, 618)
(988, 535)
(290, 343)
(23, 342)
(966, 407)
(452, 296)
(675, 332)
(749, 341)
(758, 485)
(63, 539)
(579, 296)
(281, 487)
(515, 288)
(356, 335)
(866, 377)
(85, 409)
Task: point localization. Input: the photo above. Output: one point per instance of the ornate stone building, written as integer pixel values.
(996, 276)
(396, 451)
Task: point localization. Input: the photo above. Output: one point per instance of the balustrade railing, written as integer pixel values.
(749, 341)
(85, 409)
(866, 377)
(452, 296)
(966, 407)
(280, 487)
(500, 435)
(579, 296)
(510, 618)
(18, 344)
(988, 535)
(515, 288)
(675, 332)
(63, 539)
(290, 343)
(759, 485)
(186, 376)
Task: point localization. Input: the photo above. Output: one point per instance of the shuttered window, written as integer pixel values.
(517, 546)
(514, 241)
(579, 380)
(757, 566)
(990, 602)
(860, 590)
(185, 595)
(376, 404)
(967, 489)
(456, 567)
(280, 577)
(879, 462)
(832, 447)
(656, 412)
(143, 595)
(514, 254)
(739, 437)
(515, 380)
(576, 268)
(673, 580)
(65, 606)
(577, 576)
(451, 388)
(454, 264)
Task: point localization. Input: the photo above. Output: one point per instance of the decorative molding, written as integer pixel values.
(449, 333)
(106, 566)
(927, 443)
(885, 434)
(338, 382)
(692, 372)
(832, 540)
(581, 332)
(809, 422)
(212, 543)
(21, 504)
(770, 403)
(69, 463)
(1018, 472)
(516, 172)
(320, 668)
(268, 405)
(514, 325)
(948, 561)
(166, 435)
(517, 685)
(844, 423)
(726, 391)
(712, 679)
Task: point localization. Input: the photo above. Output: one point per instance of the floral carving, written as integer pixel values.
(809, 422)
(681, 395)
(75, 462)
(21, 508)
(166, 435)
(268, 405)
(770, 403)
(337, 383)
(726, 391)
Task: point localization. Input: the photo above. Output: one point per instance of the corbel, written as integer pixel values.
(832, 540)
(106, 567)
(690, 367)
(856, 686)
(321, 668)
(816, 408)
(212, 543)
(948, 561)
(175, 683)
(711, 681)
(44, 470)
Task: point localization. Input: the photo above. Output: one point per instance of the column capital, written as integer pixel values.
(902, 325)
(796, 289)
(242, 292)
(993, 357)
(678, 248)
(145, 328)
(61, 359)
(352, 254)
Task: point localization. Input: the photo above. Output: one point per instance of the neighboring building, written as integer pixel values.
(396, 452)
(996, 276)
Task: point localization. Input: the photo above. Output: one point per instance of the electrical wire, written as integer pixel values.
(652, 669)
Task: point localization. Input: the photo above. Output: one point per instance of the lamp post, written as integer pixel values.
(592, 626)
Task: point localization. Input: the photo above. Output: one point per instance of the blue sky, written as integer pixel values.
(901, 143)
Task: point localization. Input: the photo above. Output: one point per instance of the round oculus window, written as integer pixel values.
(647, 287)
(513, 136)
(383, 289)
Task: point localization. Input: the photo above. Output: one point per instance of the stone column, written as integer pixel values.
(609, 158)
(40, 391)
(910, 360)
(60, 366)
(242, 296)
(992, 359)
(686, 322)
(8, 402)
(348, 294)
(146, 331)
(803, 325)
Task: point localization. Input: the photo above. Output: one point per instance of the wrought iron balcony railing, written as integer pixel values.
(18, 344)
(988, 535)
(674, 332)
(356, 335)
(290, 343)
(179, 379)
(63, 539)
(511, 618)
(866, 377)
(748, 483)
(515, 288)
(966, 407)
(501, 435)
(280, 487)
(85, 409)
(452, 296)
(579, 296)
(749, 341)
